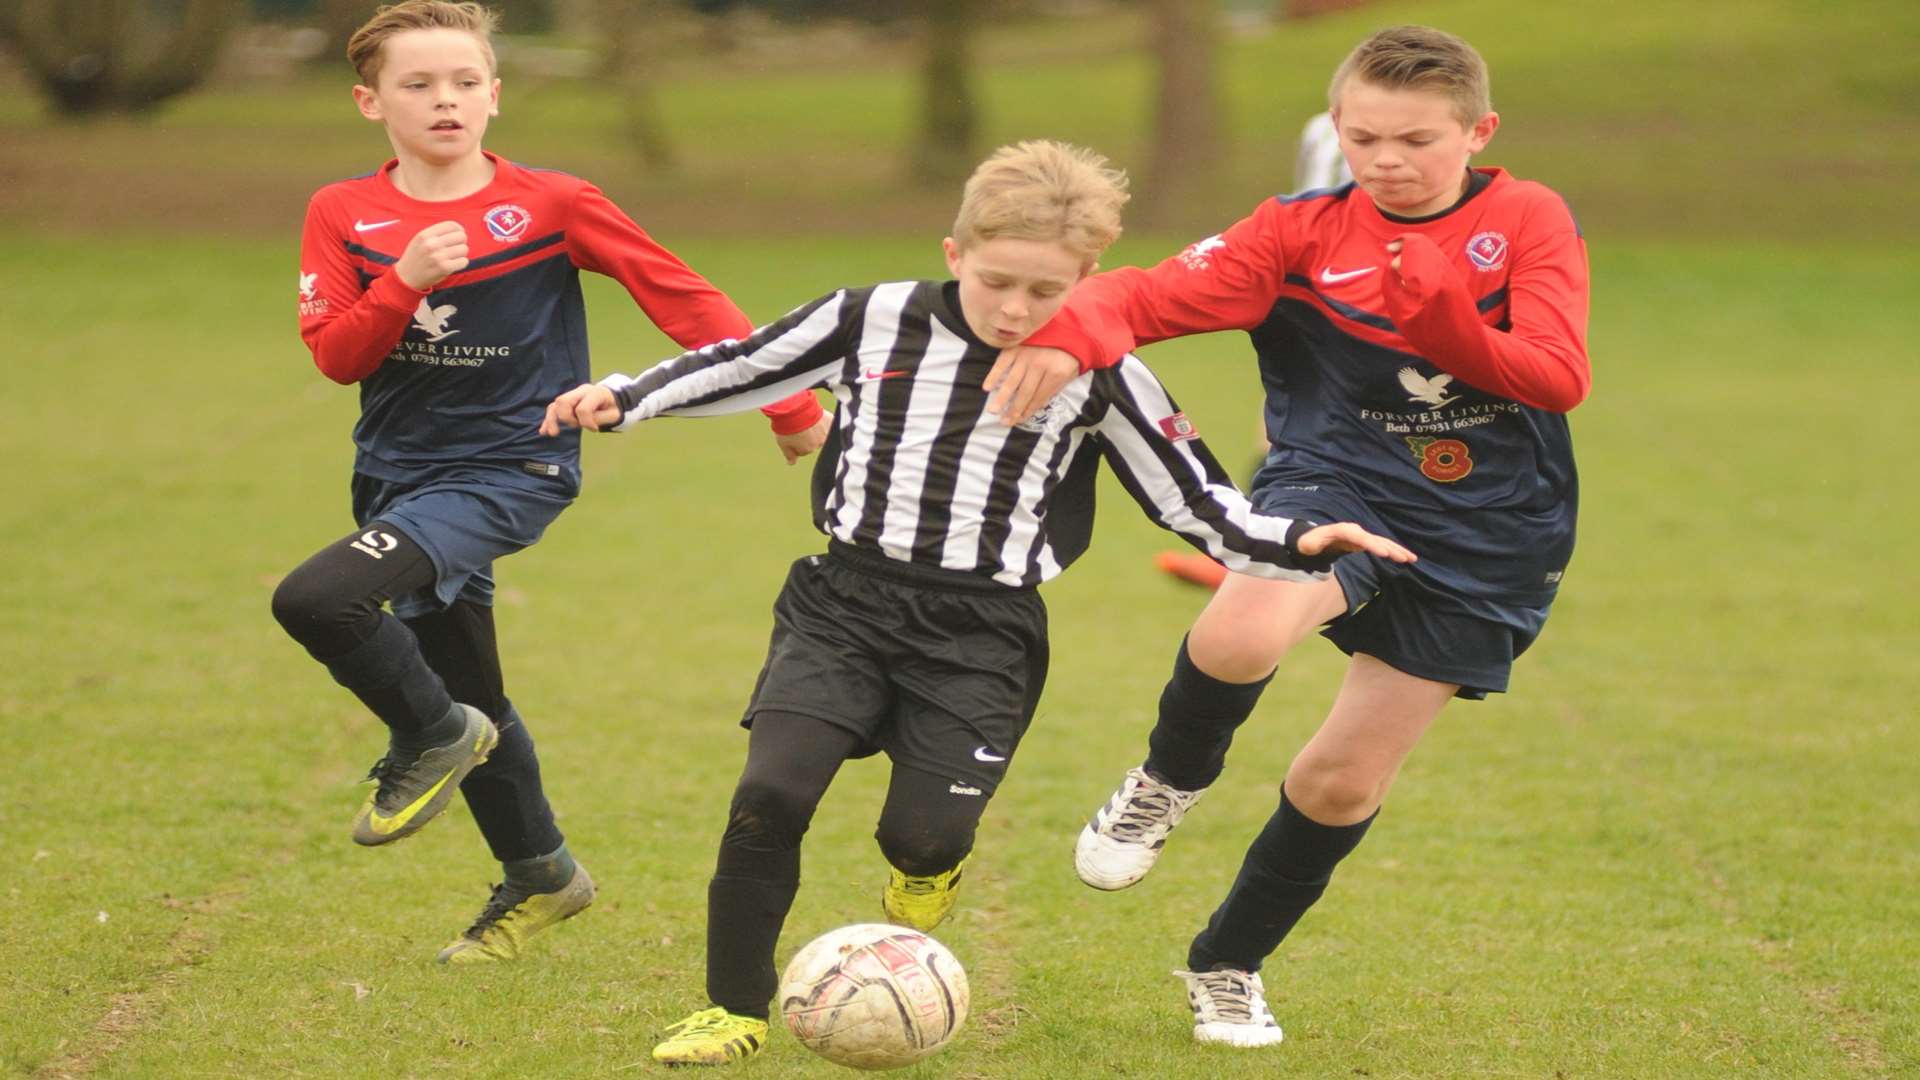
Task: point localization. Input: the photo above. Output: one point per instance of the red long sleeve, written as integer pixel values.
(684, 305)
(348, 339)
(1541, 361)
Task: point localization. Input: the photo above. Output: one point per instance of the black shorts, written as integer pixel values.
(940, 670)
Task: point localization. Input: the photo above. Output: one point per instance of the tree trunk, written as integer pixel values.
(943, 148)
(624, 67)
(1187, 147)
(118, 55)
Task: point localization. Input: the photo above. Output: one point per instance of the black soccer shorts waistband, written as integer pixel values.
(877, 564)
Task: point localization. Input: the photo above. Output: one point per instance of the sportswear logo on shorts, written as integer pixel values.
(433, 320)
(375, 543)
(369, 226)
(1487, 251)
(962, 789)
(508, 222)
(1329, 276)
(981, 753)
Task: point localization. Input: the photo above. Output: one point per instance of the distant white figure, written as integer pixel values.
(1319, 163)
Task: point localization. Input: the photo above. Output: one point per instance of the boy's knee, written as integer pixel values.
(767, 816)
(920, 852)
(303, 605)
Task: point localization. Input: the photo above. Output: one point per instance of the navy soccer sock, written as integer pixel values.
(1198, 716)
(1285, 871)
(388, 674)
(509, 803)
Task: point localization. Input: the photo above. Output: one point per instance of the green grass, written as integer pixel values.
(1684, 846)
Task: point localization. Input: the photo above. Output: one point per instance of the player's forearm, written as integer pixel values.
(352, 345)
(1546, 373)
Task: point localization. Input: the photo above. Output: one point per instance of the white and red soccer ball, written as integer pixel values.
(874, 996)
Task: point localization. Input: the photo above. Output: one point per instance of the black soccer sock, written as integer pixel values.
(1285, 871)
(390, 677)
(747, 903)
(1198, 716)
(509, 803)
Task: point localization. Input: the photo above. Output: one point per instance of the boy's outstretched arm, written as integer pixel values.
(801, 350)
(1225, 282)
(1159, 458)
(684, 305)
(349, 331)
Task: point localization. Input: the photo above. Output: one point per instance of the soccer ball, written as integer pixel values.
(874, 996)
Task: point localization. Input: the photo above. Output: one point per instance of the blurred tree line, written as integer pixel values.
(99, 57)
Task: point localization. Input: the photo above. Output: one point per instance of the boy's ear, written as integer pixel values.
(367, 101)
(952, 252)
(493, 106)
(1481, 133)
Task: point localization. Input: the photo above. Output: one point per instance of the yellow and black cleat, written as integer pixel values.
(920, 902)
(512, 916)
(412, 791)
(711, 1037)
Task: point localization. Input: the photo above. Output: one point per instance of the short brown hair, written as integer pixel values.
(363, 48)
(1044, 190)
(1420, 58)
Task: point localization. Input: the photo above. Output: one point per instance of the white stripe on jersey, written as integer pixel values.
(933, 381)
(1026, 532)
(878, 336)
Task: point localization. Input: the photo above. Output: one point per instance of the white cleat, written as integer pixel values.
(1230, 1008)
(1120, 844)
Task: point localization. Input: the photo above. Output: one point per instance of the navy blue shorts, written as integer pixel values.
(464, 519)
(1395, 615)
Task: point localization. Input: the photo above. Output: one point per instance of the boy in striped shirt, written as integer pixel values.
(920, 631)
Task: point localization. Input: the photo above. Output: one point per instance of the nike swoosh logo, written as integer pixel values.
(1328, 277)
(386, 825)
(369, 226)
(875, 375)
(980, 754)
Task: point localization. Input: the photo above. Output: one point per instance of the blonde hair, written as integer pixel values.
(363, 48)
(1420, 58)
(1047, 191)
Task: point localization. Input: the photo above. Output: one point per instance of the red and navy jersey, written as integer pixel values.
(464, 372)
(1437, 394)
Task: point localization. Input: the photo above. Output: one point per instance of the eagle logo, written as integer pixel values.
(308, 286)
(1429, 392)
(1195, 256)
(433, 320)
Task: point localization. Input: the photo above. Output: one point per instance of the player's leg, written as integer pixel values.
(1332, 792)
(541, 883)
(1223, 665)
(926, 832)
(791, 759)
(332, 605)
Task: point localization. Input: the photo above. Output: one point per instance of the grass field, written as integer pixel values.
(1686, 845)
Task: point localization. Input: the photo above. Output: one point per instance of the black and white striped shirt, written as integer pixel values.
(919, 470)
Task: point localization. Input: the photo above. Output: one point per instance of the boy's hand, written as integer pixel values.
(1343, 537)
(801, 443)
(435, 253)
(588, 405)
(1025, 378)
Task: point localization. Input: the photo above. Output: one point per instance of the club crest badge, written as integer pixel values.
(1487, 251)
(508, 222)
(1177, 428)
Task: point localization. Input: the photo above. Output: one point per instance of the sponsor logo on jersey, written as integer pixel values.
(1195, 256)
(1487, 251)
(1429, 392)
(1441, 460)
(311, 303)
(1177, 428)
(433, 320)
(507, 222)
